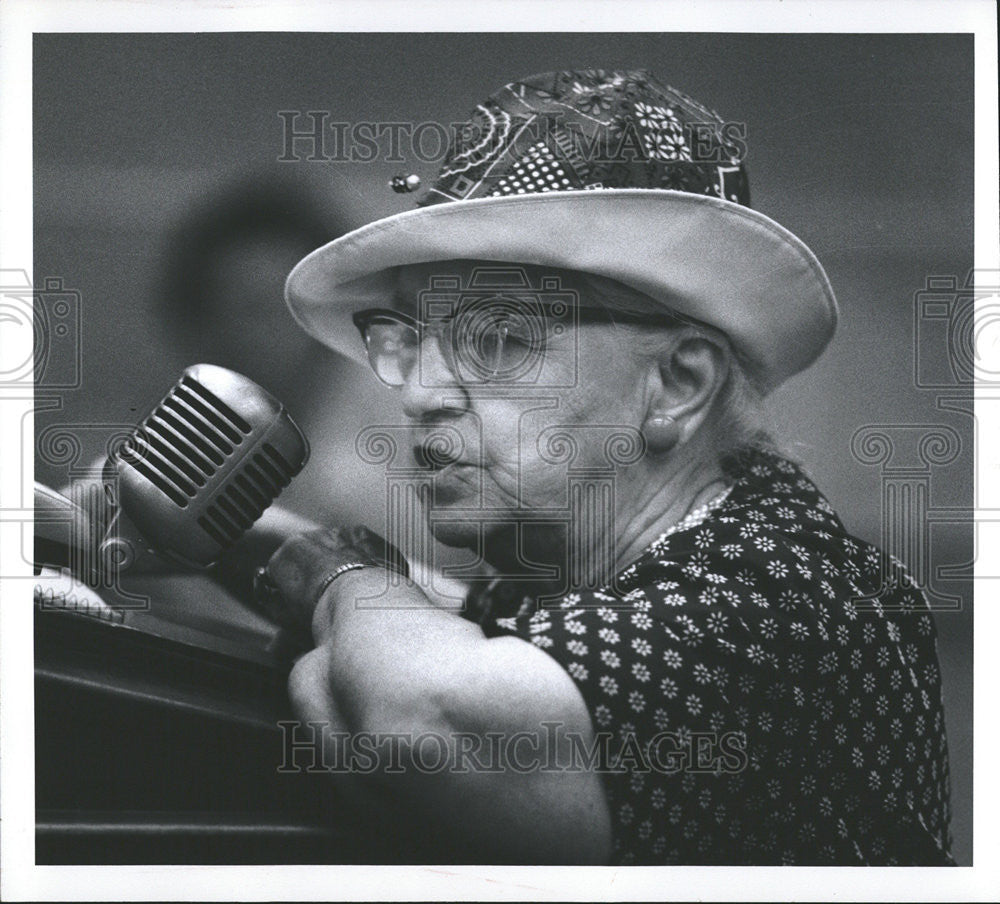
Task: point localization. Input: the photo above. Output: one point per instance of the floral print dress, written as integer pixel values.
(760, 694)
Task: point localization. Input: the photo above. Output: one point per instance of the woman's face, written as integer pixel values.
(504, 448)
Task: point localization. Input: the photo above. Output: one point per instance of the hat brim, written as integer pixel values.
(710, 259)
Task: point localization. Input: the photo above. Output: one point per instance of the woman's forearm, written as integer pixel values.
(397, 670)
(391, 653)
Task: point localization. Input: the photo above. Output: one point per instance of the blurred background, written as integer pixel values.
(161, 199)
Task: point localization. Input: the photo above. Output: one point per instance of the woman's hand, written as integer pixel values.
(301, 568)
(237, 565)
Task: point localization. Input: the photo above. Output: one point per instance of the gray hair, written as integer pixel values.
(738, 410)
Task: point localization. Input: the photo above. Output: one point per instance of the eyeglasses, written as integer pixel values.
(497, 343)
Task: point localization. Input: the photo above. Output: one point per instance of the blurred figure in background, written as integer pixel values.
(224, 275)
(222, 301)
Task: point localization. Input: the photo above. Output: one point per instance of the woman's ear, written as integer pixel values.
(686, 378)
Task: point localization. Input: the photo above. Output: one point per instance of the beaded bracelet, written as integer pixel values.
(353, 566)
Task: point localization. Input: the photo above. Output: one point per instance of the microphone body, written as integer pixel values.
(199, 470)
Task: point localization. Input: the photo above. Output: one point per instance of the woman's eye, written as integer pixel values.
(491, 347)
(523, 332)
(389, 339)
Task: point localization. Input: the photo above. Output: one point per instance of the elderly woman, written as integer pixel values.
(681, 655)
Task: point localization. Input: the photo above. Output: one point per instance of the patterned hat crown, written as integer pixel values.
(593, 129)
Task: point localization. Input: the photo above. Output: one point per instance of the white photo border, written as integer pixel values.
(23, 880)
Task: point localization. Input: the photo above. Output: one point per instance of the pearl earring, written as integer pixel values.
(661, 431)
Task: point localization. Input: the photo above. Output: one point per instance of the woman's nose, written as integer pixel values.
(432, 387)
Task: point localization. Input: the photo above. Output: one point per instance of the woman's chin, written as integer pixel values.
(456, 532)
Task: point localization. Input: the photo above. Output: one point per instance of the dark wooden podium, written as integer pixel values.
(157, 740)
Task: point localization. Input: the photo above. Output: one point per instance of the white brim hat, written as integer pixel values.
(700, 252)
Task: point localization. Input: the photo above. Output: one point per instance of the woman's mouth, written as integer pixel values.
(439, 448)
(435, 456)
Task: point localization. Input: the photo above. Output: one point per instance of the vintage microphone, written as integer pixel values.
(198, 471)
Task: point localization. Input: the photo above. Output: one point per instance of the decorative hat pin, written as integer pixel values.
(405, 184)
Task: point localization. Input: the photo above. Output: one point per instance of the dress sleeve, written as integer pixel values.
(657, 672)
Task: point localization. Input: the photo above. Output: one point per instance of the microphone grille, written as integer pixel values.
(249, 491)
(183, 442)
(206, 462)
